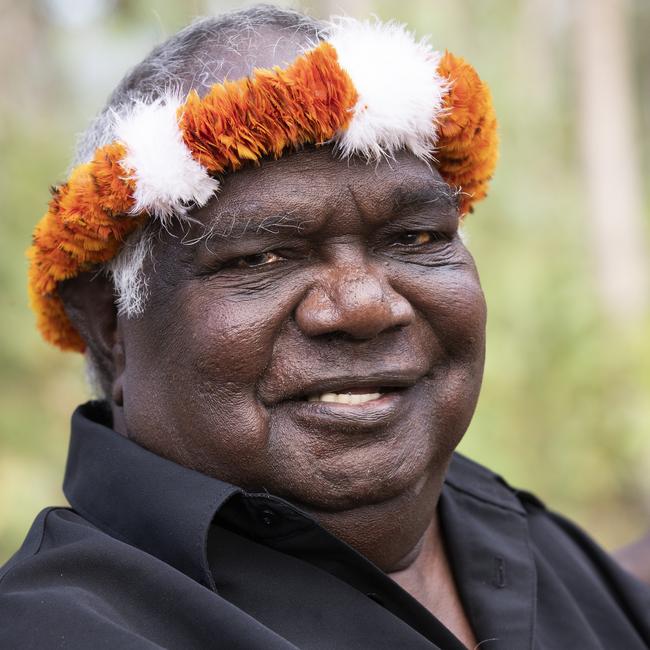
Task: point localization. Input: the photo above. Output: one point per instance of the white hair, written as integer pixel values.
(127, 268)
(194, 58)
(142, 114)
(189, 59)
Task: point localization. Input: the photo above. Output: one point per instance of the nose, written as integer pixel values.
(358, 302)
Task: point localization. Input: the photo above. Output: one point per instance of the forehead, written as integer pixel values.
(315, 187)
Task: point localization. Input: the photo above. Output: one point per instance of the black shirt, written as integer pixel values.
(154, 555)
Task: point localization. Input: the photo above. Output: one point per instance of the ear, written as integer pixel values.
(90, 305)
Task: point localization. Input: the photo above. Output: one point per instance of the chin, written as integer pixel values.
(350, 482)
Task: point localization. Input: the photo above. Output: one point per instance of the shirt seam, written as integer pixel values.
(24, 560)
(124, 538)
(492, 502)
(533, 589)
(100, 525)
(205, 560)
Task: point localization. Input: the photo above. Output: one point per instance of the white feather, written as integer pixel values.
(129, 278)
(168, 180)
(400, 91)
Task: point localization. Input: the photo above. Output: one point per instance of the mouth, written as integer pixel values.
(328, 401)
(353, 395)
(350, 396)
(352, 408)
(361, 404)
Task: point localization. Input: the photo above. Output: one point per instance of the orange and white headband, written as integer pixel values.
(370, 89)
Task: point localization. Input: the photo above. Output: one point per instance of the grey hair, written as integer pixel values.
(191, 59)
(183, 61)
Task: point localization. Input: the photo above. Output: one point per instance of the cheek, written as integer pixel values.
(194, 371)
(233, 338)
(452, 303)
(208, 333)
(451, 300)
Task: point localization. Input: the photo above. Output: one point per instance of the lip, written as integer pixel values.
(361, 417)
(330, 384)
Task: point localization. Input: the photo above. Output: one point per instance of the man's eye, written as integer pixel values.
(419, 238)
(258, 259)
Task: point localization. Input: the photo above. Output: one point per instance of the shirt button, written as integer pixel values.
(268, 517)
(376, 597)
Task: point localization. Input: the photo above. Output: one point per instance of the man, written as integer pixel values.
(289, 334)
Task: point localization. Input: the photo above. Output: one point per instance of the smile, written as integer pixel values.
(350, 397)
(349, 390)
(349, 410)
(356, 401)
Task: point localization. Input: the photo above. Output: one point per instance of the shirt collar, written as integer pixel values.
(166, 509)
(478, 482)
(142, 499)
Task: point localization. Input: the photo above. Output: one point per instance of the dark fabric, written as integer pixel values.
(153, 555)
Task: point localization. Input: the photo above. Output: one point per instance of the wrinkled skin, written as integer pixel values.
(319, 275)
(215, 373)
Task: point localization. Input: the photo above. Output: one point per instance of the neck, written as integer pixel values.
(429, 579)
(394, 533)
(428, 559)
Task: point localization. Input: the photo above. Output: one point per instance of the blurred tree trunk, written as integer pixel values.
(610, 151)
(20, 45)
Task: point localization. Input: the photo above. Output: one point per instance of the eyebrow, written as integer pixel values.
(406, 197)
(250, 219)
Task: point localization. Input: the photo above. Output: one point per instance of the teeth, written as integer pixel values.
(344, 398)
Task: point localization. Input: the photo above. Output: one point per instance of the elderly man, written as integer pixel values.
(259, 253)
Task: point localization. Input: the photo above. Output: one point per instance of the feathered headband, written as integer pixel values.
(369, 88)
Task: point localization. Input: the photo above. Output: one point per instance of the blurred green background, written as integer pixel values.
(561, 243)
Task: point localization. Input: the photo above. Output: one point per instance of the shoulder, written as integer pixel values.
(58, 564)
(48, 540)
(476, 481)
(565, 558)
(71, 584)
(544, 526)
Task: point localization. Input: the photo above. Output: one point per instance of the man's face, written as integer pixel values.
(324, 343)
